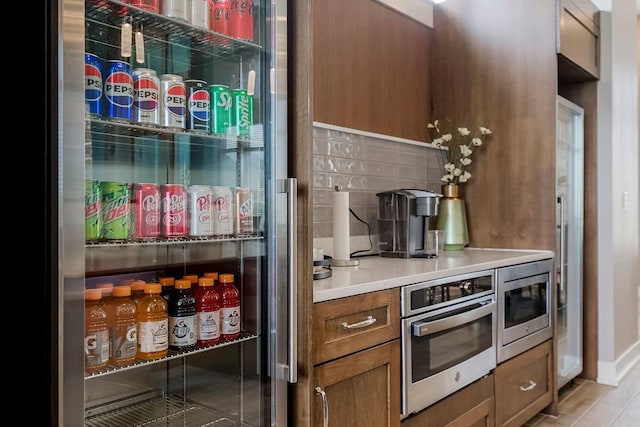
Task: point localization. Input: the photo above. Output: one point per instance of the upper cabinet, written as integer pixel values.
(578, 40)
(370, 68)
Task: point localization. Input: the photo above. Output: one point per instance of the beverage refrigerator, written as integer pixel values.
(569, 239)
(108, 141)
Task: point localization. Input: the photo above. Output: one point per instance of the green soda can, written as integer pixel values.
(242, 111)
(116, 214)
(92, 210)
(221, 103)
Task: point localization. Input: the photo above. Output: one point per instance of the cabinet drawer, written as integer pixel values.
(524, 386)
(347, 325)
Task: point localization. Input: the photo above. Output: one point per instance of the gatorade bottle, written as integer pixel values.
(229, 308)
(96, 336)
(137, 290)
(153, 324)
(107, 291)
(182, 317)
(167, 286)
(122, 325)
(193, 278)
(213, 275)
(207, 312)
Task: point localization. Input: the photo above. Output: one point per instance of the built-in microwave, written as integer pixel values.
(524, 307)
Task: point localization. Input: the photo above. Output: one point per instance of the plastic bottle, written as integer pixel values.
(212, 274)
(207, 312)
(96, 336)
(182, 317)
(137, 290)
(229, 308)
(122, 326)
(152, 324)
(167, 286)
(107, 292)
(193, 278)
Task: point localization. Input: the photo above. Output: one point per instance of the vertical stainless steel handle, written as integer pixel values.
(325, 406)
(561, 202)
(291, 189)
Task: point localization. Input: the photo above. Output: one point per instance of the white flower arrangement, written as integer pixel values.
(459, 150)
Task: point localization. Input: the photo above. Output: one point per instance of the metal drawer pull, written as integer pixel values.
(370, 320)
(531, 386)
(325, 406)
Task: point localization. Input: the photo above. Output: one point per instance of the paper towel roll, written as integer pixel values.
(341, 234)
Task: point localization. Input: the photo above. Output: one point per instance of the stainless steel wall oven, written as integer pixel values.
(448, 336)
(524, 307)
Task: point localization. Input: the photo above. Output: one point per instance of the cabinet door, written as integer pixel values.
(362, 389)
(524, 386)
(473, 406)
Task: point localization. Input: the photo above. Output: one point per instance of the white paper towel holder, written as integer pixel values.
(343, 262)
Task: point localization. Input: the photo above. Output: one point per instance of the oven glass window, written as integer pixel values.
(525, 303)
(436, 352)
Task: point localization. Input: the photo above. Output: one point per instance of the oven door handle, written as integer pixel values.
(425, 327)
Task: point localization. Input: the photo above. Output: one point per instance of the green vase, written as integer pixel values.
(452, 217)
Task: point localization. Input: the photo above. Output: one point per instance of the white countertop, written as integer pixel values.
(376, 273)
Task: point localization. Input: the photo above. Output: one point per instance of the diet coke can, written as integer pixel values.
(145, 96)
(173, 104)
(199, 13)
(241, 19)
(145, 211)
(173, 210)
(176, 9)
(222, 208)
(198, 106)
(244, 211)
(200, 223)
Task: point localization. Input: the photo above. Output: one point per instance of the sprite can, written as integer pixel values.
(242, 117)
(221, 103)
(92, 210)
(116, 214)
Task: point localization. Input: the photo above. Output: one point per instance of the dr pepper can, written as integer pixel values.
(173, 210)
(145, 208)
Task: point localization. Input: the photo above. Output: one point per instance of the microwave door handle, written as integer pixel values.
(423, 328)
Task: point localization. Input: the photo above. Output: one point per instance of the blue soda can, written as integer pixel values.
(92, 83)
(117, 100)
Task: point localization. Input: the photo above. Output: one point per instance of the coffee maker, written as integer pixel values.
(403, 221)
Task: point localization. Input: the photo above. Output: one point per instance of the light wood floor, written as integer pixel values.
(589, 404)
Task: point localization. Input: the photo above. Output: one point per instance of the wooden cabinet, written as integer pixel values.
(473, 406)
(524, 386)
(578, 40)
(357, 358)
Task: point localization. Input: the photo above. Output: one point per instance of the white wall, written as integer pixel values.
(618, 193)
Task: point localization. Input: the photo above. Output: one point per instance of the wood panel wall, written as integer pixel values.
(371, 68)
(497, 66)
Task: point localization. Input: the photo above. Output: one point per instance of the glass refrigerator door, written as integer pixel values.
(168, 165)
(569, 218)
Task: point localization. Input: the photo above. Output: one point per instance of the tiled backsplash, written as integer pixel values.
(365, 165)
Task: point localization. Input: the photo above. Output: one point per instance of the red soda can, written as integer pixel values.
(145, 207)
(219, 11)
(241, 19)
(152, 5)
(173, 210)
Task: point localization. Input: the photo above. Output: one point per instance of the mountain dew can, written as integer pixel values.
(116, 214)
(242, 117)
(220, 101)
(92, 210)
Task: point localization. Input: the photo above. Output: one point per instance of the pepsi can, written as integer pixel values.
(92, 83)
(173, 101)
(117, 100)
(145, 96)
(198, 105)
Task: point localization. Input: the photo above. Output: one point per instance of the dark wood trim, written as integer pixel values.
(300, 75)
